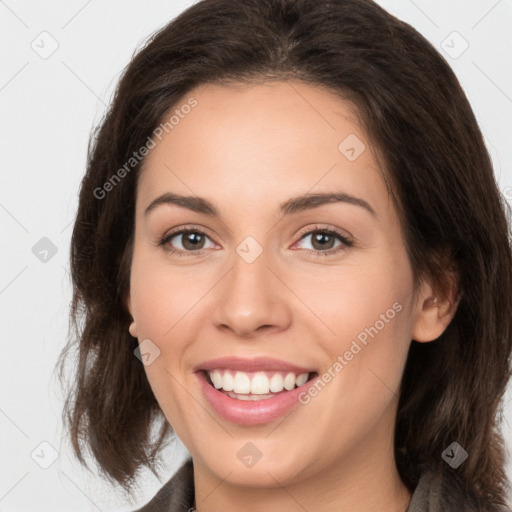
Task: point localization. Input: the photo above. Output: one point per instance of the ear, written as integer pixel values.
(435, 310)
(133, 326)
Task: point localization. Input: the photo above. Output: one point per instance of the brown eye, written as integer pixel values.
(323, 241)
(191, 241)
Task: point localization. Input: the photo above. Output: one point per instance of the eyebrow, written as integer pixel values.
(291, 206)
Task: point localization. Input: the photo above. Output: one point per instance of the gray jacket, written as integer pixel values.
(430, 495)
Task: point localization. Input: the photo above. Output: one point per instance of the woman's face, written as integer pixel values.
(264, 293)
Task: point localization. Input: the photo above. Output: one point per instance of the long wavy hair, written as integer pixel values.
(433, 157)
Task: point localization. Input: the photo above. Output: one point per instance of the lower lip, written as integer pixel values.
(254, 412)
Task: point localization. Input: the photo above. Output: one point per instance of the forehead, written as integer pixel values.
(257, 144)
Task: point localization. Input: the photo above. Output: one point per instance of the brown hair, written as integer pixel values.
(437, 168)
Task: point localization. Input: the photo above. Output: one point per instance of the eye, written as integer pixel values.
(322, 240)
(192, 241)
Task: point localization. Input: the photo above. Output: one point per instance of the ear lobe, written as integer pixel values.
(133, 329)
(133, 326)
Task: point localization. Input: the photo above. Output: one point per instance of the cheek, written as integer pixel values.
(161, 300)
(354, 303)
(369, 319)
(163, 295)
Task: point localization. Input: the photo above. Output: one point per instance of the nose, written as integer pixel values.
(252, 298)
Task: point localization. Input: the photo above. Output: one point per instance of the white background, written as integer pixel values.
(48, 107)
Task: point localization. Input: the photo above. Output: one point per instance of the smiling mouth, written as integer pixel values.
(252, 386)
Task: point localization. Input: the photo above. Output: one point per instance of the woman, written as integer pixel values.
(291, 251)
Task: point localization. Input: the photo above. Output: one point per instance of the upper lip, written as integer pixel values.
(251, 365)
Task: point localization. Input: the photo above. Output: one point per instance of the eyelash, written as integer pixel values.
(347, 242)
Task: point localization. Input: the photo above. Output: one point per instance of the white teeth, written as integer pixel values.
(302, 379)
(242, 383)
(216, 377)
(258, 384)
(276, 383)
(228, 382)
(250, 397)
(289, 381)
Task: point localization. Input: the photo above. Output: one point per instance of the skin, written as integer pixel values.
(247, 149)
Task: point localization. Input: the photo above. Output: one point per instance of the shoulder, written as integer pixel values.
(445, 492)
(177, 495)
